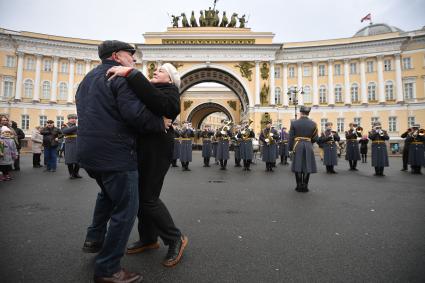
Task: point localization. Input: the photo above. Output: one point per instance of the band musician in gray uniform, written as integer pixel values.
(223, 137)
(206, 136)
(236, 146)
(283, 147)
(329, 139)
(71, 159)
(177, 145)
(186, 135)
(246, 149)
(302, 135)
(416, 141)
(379, 148)
(269, 138)
(352, 150)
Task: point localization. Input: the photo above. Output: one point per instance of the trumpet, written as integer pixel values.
(359, 130)
(246, 131)
(420, 132)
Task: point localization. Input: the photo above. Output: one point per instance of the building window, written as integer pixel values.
(47, 65)
(392, 124)
(291, 95)
(43, 120)
(64, 67)
(63, 91)
(10, 61)
(370, 66)
(337, 68)
(407, 63)
(411, 121)
(276, 72)
(389, 90)
(373, 120)
(387, 65)
(357, 120)
(307, 94)
(30, 63)
(80, 69)
(291, 71)
(45, 94)
(277, 96)
(340, 125)
(371, 91)
(25, 122)
(7, 87)
(59, 121)
(322, 71)
(353, 68)
(28, 88)
(306, 71)
(355, 92)
(322, 95)
(323, 122)
(409, 90)
(338, 93)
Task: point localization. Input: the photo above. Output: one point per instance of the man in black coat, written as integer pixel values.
(20, 135)
(302, 135)
(51, 136)
(110, 118)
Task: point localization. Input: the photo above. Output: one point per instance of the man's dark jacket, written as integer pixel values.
(50, 135)
(110, 118)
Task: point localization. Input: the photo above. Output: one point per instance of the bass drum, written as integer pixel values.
(255, 145)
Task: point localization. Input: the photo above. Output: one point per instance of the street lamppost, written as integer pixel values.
(293, 95)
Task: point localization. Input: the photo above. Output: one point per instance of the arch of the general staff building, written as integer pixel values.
(198, 114)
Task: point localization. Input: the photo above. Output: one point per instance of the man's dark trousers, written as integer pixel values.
(118, 203)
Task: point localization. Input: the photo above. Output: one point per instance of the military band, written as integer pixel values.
(186, 136)
(223, 137)
(416, 140)
(246, 149)
(406, 149)
(269, 138)
(236, 146)
(352, 146)
(363, 147)
(302, 135)
(329, 140)
(379, 148)
(177, 145)
(206, 136)
(283, 146)
(70, 133)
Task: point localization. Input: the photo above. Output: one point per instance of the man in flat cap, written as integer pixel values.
(110, 116)
(70, 134)
(51, 136)
(416, 141)
(302, 135)
(379, 148)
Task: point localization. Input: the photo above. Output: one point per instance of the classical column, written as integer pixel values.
(381, 85)
(18, 89)
(55, 79)
(398, 79)
(36, 97)
(331, 91)
(71, 81)
(315, 86)
(347, 88)
(88, 63)
(300, 82)
(257, 83)
(145, 67)
(363, 87)
(272, 86)
(285, 84)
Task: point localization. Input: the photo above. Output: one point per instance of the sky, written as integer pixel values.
(290, 21)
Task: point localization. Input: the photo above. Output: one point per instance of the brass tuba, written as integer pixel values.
(246, 132)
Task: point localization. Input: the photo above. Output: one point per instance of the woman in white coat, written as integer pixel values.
(37, 146)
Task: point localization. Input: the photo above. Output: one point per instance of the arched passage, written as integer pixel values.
(200, 112)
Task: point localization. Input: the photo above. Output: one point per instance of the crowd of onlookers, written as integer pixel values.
(48, 139)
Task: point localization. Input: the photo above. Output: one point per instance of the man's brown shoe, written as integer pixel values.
(122, 276)
(175, 252)
(139, 247)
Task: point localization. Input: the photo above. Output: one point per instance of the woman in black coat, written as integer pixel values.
(155, 154)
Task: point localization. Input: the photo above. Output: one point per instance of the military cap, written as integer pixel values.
(328, 124)
(72, 116)
(268, 121)
(106, 48)
(50, 122)
(377, 124)
(416, 126)
(305, 109)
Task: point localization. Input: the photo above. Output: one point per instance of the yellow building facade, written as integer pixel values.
(377, 74)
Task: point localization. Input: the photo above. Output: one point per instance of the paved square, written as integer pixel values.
(242, 226)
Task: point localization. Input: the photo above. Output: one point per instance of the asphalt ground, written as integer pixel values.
(242, 226)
